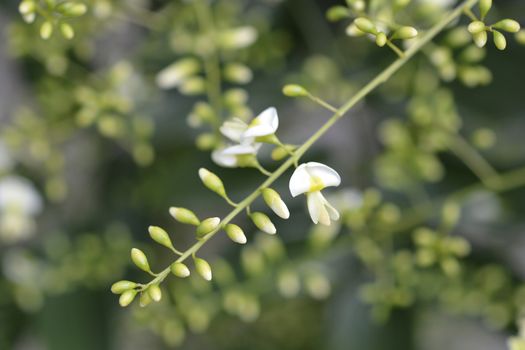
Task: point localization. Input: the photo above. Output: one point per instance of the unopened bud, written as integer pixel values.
(484, 7)
(122, 286)
(499, 40)
(145, 299)
(71, 9)
(192, 86)
(203, 268)
(274, 201)
(180, 270)
(207, 226)
(476, 27)
(263, 223)
(337, 13)
(155, 293)
(127, 297)
(67, 31)
(294, 90)
(174, 74)
(139, 258)
(46, 30)
(365, 25)
(508, 25)
(235, 233)
(212, 182)
(238, 73)
(405, 33)
(160, 236)
(184, 216)
(480, 39)
(381, 39)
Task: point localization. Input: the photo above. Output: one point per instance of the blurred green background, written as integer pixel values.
(98, 190)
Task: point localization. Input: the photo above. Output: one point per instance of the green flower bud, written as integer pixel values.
(160, 236)
(193, 86)
(27, 7)
(206, 141)
(67, 31)
(184, 216)
(288, 283)
(235, 233)
(46, 30)
(238, 73)
(451, 213)
(358, 5)
(424, 237)
(480, 39)
(352, 30)
(337, 13)
(71, 9)
(508, 25)
(450, 266)
(154, 292)
(318, 286)
(122, 286)
(381, 39)
(207, 226)
(484, 7)
(274, 201)
(145, 299)
(499, 40)
(263, 223)
(238, 38)
(294, 90)
(139, 259)
(476, 27)
(203, 268)
(179, 270)
(127, 297)
(404, 33)
(365, 25)
(483, 138)
(520, 37)
(212, 182)
(174, 74)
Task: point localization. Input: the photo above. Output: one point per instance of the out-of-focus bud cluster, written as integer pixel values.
(90, 260)
(55, 15)
(111, 104)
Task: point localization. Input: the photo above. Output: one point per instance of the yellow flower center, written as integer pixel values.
(255, 122)
(316, 184)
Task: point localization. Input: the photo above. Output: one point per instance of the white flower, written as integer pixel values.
(264, 124)
(17, 192)
(240, 155)
(310, 178)
(234, 129)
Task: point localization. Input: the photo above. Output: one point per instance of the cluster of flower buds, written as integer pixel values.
(364, 24)
(479, 29)
(55, 14)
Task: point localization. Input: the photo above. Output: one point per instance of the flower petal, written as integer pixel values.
(223, 159)
(234, 129)
(300, 181)
(243, 148)
(314, 206)
(264, 124)
(327, 175)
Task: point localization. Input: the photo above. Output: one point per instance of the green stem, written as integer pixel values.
(396, 49)
(479, 166)
(212, 65)
(361, 94)
(322, 103)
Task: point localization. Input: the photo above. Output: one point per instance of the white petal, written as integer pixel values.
(334, 214)
(223, 159)
(300, 181)
(234, 129)
(17, 192)
(328, 176)
(314, 206)
(264, 124)
(241, 149)
(279, 207)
